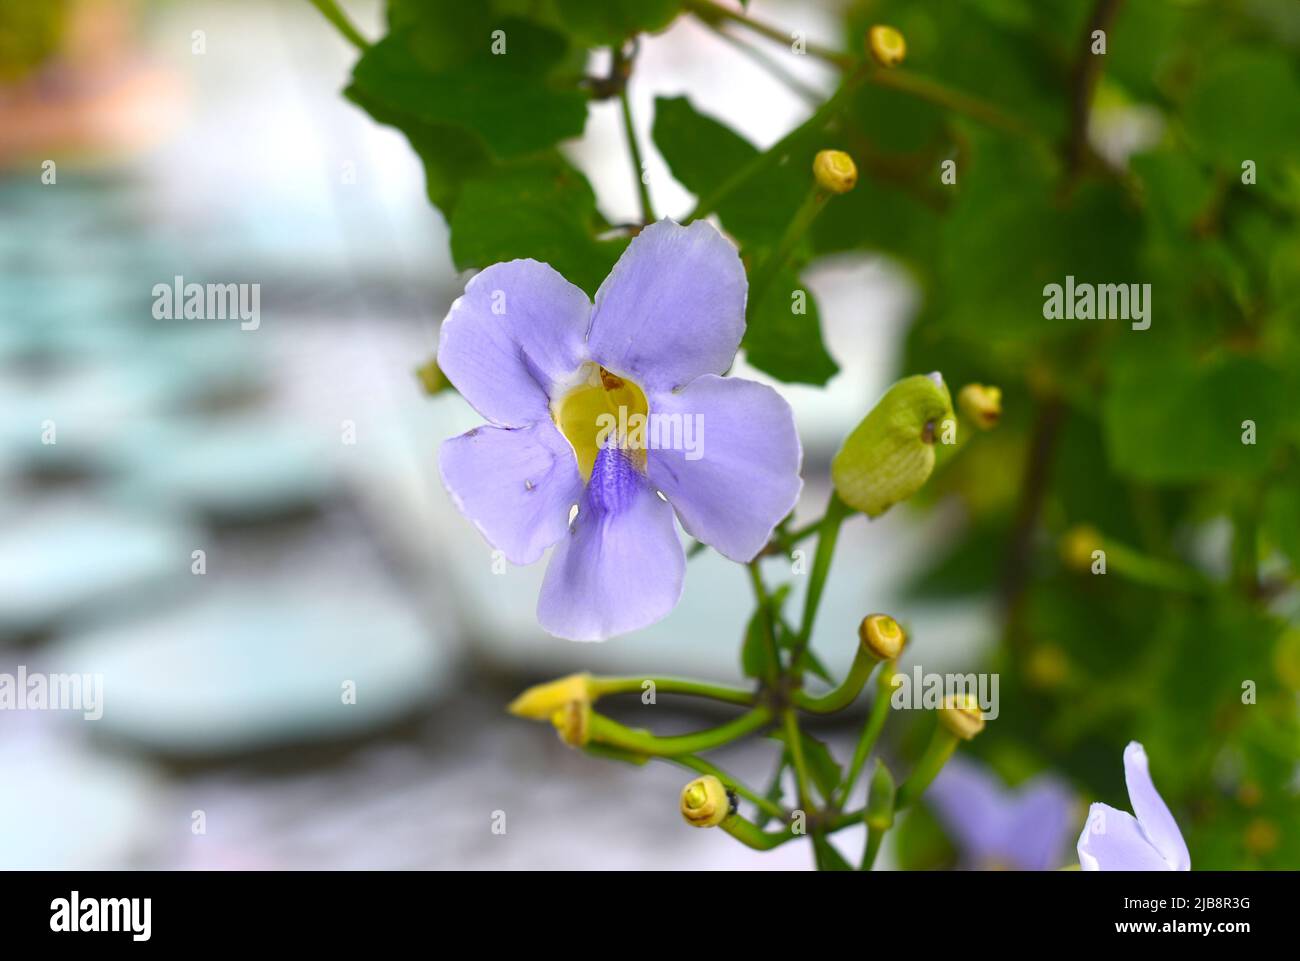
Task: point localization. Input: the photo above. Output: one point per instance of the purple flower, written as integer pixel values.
(608, 407)
(1117, 841)
(1027, 828)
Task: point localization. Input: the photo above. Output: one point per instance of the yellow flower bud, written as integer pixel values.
(961, 715)
(982, 405)
(882, 636)
(543, 700)
(573, 723)
(890, 454)
(1077, 546)
(886, 45)
(835, 171)
(705, 802)
(431, 378)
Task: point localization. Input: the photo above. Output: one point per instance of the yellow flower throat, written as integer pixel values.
(602, 409)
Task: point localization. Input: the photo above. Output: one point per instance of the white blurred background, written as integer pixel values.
(329, 561)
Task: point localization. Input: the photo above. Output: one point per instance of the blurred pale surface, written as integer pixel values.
(295, 464)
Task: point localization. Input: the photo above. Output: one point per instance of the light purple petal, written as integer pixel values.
(1113, 841)
(740, 472)
(515, 333)
(1041, 820)
(673, 307)
(517, 485)
(621, 566)
(1152, 812)
(971, 804)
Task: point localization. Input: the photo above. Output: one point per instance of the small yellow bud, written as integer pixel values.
(1077, 546)
(1262, 837)
(961, 715)
(981, 405)
(431, 378)
(542, 700)
(882, 636)
(886, 45)
(573, 723)
(835, 171)
(705, 802)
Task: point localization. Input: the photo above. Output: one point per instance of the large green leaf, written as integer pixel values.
(783, 336)
(544, 210)
(1173, 421)
(1246, 106)
(449, 76)
(704, 153)
(602, 23)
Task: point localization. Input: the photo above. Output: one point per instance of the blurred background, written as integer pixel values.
(208, 140)
(306, 651)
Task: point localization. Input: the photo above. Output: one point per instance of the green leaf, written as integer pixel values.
(828, 858)
(783, 336)
(544, 210)
(704, 153)
(822, 766)
(604, 23)
(756, 653)
(1245, 106)
(451, 78)
(450, 154)
(1169, 420)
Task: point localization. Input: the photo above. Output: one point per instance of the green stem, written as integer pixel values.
(765, 61)
(643, 190)
(751, 835)
(600, 686)
(870, 733)
(604, 730)
(711, 13)
(794, 741)
(331, 11)
(864, 662)
(1151, 571)
(874, 838)
(803, 218)
(936, 755)
(828, 533)
(701, 766)
(823, 115)
(936, 93)
(764, 600)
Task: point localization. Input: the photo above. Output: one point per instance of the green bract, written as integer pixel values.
(891, 453)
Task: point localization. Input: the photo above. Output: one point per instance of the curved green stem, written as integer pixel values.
(629, 129)
(936, 755)
(331, 11)
(762, 161)
(711, 13)
(751, 835)
(693, 763)
(604, 730)
(828, 533)
(600, 686)
(803, 218)
(870, 733)
(864, 662)
(874, 838)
